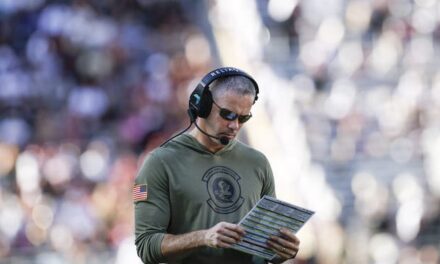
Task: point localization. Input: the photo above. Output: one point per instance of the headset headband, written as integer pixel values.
(227, 71)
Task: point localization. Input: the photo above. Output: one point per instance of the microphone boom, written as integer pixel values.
(223, 140)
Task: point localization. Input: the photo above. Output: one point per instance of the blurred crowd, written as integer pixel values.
(88, 87)
(367, 88)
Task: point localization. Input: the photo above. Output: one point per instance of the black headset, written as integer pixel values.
(200, 100)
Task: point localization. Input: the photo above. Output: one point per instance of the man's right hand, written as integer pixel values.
(223, 235)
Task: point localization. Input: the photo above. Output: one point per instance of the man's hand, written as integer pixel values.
(223, 235)
(286, 245)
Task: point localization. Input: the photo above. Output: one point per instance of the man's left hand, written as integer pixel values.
(286, 245)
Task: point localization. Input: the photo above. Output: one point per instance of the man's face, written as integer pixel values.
(219, 126)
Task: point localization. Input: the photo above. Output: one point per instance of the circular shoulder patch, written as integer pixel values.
(224, 189)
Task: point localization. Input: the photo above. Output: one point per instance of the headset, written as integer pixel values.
(200, 100)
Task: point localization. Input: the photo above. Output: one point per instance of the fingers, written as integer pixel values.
(289, 235)
(234, 228)
(231, 234)
(286, 245)
(224, 235)
(284, 252)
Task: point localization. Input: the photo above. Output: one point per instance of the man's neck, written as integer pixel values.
(206, 141)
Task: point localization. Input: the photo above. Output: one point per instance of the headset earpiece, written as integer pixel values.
(205, 104)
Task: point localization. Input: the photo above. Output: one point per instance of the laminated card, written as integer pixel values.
(265, 219)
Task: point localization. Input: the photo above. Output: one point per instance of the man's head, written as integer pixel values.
(223, 105)
(232, 99)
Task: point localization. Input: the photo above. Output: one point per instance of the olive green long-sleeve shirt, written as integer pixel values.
(189, 188)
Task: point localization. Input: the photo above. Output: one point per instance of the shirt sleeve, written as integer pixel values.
(152, 214)
(269, 182)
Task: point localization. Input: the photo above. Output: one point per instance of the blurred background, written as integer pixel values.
(349, 116)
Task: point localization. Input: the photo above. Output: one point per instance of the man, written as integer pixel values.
(190, 193)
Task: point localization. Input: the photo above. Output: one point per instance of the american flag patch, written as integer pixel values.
(140, 192)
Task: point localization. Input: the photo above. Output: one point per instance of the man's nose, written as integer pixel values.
(234, 124)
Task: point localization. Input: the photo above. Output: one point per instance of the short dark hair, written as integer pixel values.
(238, 84)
